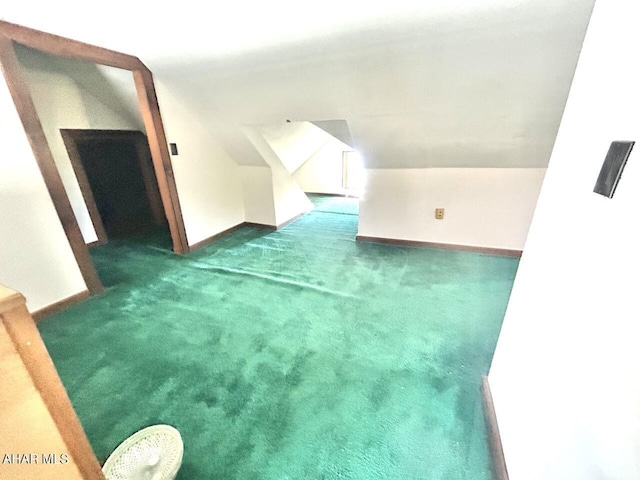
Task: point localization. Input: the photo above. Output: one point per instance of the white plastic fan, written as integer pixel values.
(153, 453)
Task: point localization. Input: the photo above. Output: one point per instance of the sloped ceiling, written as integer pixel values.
(294, 143)
(336, 128)
(112, 87)
(420, 84)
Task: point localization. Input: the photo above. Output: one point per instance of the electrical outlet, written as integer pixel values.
(439, 213)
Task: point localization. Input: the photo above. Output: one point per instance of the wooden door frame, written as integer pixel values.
(72, 136)
(11, 34)
(70, 142)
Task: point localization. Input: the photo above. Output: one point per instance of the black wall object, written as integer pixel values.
(174, 148)
(612, 167)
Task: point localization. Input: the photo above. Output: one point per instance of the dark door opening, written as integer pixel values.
(122, 181)
(115, 175)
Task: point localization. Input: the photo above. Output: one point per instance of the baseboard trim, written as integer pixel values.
(260, 225)
(215, 237)
(41, 314)
(495, 443)
(445, 246)
(291, 220)
(327, 194)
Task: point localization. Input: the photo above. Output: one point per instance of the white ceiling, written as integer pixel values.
(420, 84)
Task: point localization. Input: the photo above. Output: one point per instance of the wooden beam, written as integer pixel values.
(33, 128)
(70, 142)
(65, 47)
(29, 345)
(96, 133)
(150, 111)
(10, 299)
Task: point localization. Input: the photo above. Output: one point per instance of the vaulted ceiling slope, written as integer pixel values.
(112, 87)
(444, 83)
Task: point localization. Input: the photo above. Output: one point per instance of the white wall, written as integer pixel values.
(484, 207)
(35, 256)
(322, 173)
(288, 198)
(207, 179)
(565, 373)
(63, 103)
(111, 86)
(257, 187)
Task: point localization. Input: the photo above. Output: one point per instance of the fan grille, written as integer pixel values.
(153, 453)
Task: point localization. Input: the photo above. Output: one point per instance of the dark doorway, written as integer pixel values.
(118, 182)
(116, 179)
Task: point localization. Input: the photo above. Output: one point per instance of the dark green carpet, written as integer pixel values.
(297, 354)
(334, 204)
